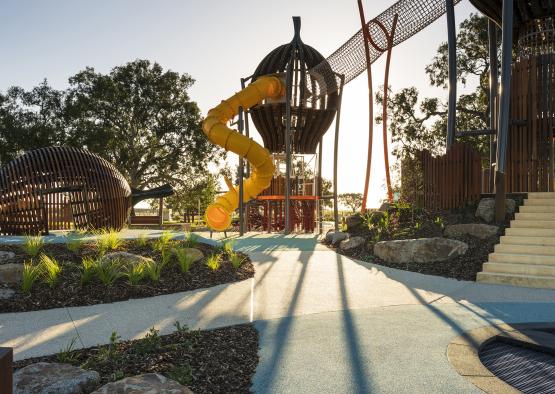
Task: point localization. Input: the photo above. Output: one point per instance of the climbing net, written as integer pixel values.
(349, 60)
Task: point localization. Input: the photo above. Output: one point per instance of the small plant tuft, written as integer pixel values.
(227, 246)
(182, 329)
(88, 266)
(150, 343)
(51, 269)
(31, 273)
(142, 241)
(153, 269)
(108, 270)
(164, 241)
(32, 245)
(191, 240)
(135, 273)
(182, 374)
(236, 260)
(66, 355)
(213, 262)
(184, 259)
(108, 239)
(74, 245)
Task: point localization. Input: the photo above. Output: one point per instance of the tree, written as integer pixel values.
(140, 118)
(421, 124)
(197, 190)
(351, 200)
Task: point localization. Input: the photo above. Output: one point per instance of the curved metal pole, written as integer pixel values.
(384, 108)
(370, 107)
(452, 62)
(336, 153)
(503, 128)
(493, 71)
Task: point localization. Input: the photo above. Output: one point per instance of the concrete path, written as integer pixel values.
(327, 323)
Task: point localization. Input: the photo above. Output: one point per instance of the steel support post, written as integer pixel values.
(336, 154)
(288, 94)
(493, 90)
(503, 125)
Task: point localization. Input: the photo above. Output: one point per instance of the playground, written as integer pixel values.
(118, 276)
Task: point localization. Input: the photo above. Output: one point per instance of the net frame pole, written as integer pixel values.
(493, 90)
(504, 102)
(288, 94)
(336, 153)
(452, 68)
(370, 108)
(241, 177)
(319, 188)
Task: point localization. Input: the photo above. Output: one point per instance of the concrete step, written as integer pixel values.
(535, 216)
(538, 195)
(537, 209)
(545, 282)
(514, 258)
(539, 201)
(520, 269)
(523, 240)
(530, 232)
(542, 224)
(526, 249)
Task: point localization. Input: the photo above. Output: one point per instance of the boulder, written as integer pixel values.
(422, 250)
(351, 243)
(194, 253)
(6, 293)
(353, 220)
(478, 230)
(11, 273)
(125, 258)
(54, 378)
(334, 237)
(147, 383)
(6, 257)
(486, 209)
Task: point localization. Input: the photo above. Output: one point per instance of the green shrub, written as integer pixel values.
(163, 241)
(184, 259)
(108, 239)
(135, 273)
(236, 260)
(149, 344)
(31, 273)
(213, 262)
(108, 270)
(88, 267)
(227, 246)
(191, 240)
(32, 245)
(153, 269)
(51, 269)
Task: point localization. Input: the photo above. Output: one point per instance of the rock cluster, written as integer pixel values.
(422, 250)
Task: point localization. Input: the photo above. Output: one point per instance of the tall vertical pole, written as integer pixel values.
(503, 125)
(319, 188)
(241, 177)
(247, 133)
(452, 60)
(288, 94)
(493, 89)
(336, 153)
(370, 107)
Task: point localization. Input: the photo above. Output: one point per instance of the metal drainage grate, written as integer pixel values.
(527, 370)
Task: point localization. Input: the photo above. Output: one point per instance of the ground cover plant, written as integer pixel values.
(213, 361)
(60, 275)
(403, 221)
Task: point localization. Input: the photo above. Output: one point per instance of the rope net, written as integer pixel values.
(349, 59)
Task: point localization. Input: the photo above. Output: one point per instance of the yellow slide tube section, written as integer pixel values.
(218, 214)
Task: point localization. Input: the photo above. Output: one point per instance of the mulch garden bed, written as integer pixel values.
(213, 361)
(410, 224)
(69, 291)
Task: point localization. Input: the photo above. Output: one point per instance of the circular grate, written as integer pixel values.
(525, 369)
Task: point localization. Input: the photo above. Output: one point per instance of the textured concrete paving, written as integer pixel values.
(327, 323)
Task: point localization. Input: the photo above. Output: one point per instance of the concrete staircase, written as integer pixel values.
(525, 255)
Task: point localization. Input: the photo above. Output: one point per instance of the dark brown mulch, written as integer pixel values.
(68, 291)
(404, 226)
(213, 361)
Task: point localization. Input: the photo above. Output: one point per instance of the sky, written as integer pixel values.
(217, 43)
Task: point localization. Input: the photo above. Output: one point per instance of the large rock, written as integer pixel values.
(6, 257)
(11, 273)
(335, 237)
(54, 378)
(351, 243)
(126, 258)
(486, 208)
(353, 221)
(194, 253)
(151, 383)
(422, 250)
(478, 230)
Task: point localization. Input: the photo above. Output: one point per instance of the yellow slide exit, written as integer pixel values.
(218, 214)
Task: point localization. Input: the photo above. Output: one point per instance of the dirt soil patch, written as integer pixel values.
(212, 361)
(69, 291)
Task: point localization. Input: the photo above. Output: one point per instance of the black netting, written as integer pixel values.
(350, 59)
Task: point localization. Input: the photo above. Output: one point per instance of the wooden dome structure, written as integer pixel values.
(55, 187)
(310, 118)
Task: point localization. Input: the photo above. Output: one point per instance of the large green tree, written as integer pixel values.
(142, 119)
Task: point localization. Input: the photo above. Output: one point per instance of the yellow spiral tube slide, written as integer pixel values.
(218, 214)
